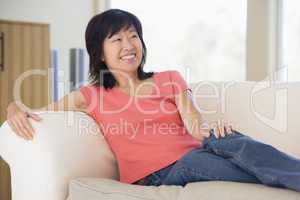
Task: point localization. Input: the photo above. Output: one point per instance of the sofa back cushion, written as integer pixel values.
(265, 111)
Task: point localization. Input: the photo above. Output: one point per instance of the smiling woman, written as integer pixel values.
(124, 51)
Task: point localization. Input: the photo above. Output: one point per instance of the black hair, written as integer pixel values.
(105, 25)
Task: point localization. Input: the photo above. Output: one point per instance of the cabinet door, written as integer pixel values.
(26, 54)
(5, 48)
(36, 62)
(25, 59)
(5, 96)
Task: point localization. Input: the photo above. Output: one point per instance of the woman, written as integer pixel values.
(150, 123)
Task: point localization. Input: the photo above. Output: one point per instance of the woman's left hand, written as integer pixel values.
(221, 128)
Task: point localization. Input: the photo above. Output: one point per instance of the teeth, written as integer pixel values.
(128, 57)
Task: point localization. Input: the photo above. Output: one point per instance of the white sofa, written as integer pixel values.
(69, 158)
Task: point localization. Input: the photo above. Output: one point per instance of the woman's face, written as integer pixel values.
(123, 51)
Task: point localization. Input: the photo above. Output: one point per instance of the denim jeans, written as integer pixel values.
(235, 157)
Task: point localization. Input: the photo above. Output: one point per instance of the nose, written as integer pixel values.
(127, 44)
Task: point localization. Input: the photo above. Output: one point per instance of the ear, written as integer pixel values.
(102, 58)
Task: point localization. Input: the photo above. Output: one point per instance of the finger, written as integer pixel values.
(230, 129)
(17, 129)
(221, 128)
(216, 129)
(215, 133)
(13, 128)
(218, 132)
(27, 126)
(23, 118)
(28, 133)
(227, 130)
(23, 130)
(222, 131)
(34, 116)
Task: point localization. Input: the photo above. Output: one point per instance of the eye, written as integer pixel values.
(134, 36)
(117, 40)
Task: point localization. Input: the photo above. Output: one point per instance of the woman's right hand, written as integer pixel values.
(17, 119)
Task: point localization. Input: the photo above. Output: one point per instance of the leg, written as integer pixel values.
(202, 165)
(269, 165)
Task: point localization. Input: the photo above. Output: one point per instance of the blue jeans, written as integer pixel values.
(235, 157)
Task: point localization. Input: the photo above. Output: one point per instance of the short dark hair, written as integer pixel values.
(105, 25)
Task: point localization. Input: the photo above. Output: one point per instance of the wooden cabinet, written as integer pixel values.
(24, 64)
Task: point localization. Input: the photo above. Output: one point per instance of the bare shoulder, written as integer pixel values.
(79, 100)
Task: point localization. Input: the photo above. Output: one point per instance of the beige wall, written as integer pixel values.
(263, 39)
(101, 5)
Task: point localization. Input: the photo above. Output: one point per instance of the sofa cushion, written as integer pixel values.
(235, 191)
(106, 189)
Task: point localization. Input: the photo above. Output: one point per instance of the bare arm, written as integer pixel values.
(193, 120)
(17, 115)
(73, 101)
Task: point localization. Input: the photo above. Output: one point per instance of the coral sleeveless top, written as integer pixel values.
(145, 134)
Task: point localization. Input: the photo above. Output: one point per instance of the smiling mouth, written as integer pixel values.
(128, 57)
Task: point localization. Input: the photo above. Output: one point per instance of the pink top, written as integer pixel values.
(145, 133)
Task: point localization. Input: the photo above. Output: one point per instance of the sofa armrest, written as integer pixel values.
(66, 145)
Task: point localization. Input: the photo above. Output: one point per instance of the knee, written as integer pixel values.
(197, 157)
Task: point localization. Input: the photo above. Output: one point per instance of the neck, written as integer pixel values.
(126, 79)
